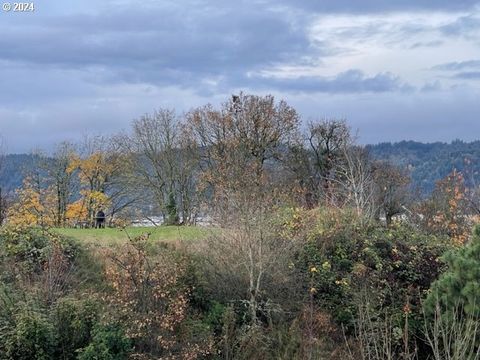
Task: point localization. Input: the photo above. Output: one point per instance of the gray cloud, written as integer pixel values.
(352, 81)
(426, 44)
(464, 26)
(468, 75)
(429, 116)
(435, 86)
(375, 6)
(207, 49)
(186, 45)
(88, 66)
(206, 45)
(458, 65)
(462, 70)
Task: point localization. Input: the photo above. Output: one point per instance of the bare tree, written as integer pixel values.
(187, 172)
(392, 189)
(248, 258)
(355, 181)
(452, 336)
(162, 162)
(300, 173)
(60, 177)
(327, 141)
(313, 160)
(374, 335)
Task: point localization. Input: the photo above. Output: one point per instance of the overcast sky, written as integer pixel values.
(394, 69)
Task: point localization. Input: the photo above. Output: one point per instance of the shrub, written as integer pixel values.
(149, 298)
(395, 265)
(28, 248)
(109, 343)
(346, 263)
(74, 321)
(31, 338)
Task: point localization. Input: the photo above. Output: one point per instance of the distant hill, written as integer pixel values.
(13, 169)
(431, 162)
(427, 163)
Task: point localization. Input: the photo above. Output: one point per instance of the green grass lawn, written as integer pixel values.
(111, 236)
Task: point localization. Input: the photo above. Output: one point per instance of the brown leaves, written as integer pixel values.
(447, 210)
(237, 141)
(150, 299)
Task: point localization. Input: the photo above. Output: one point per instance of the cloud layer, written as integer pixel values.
(83, 67)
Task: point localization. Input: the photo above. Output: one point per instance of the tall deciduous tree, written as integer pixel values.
(34, 205)
(162, 164)
(445, 212)
(96, 165)
(60, 176)
(391, 190)
(314, 160)
(355, 182)
(241, 139)
(239, 142)
(328, 140)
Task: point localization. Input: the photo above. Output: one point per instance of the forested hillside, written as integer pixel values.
(431, 162)
(427, 163)
(13, 169)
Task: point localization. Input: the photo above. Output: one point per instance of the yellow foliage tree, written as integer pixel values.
(96, 200)
(34, 206)
(95, 171)
(76, 212)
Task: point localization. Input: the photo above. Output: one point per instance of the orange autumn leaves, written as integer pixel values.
(37, 202)
(447, 210)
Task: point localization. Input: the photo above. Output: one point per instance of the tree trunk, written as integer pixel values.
(388, 218)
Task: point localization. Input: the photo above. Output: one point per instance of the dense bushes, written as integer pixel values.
(28, 249)
(71, 328)
(150, 297)
(354, 271)
(393, 266)
(108, 343)
(53, 304)
(41, 316)
(32, 336)
(74, 322)
(339, 284)
(339, 270)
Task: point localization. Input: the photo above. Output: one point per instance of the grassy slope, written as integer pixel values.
(110, 236)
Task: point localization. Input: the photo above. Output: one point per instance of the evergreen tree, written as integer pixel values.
(459, 286)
